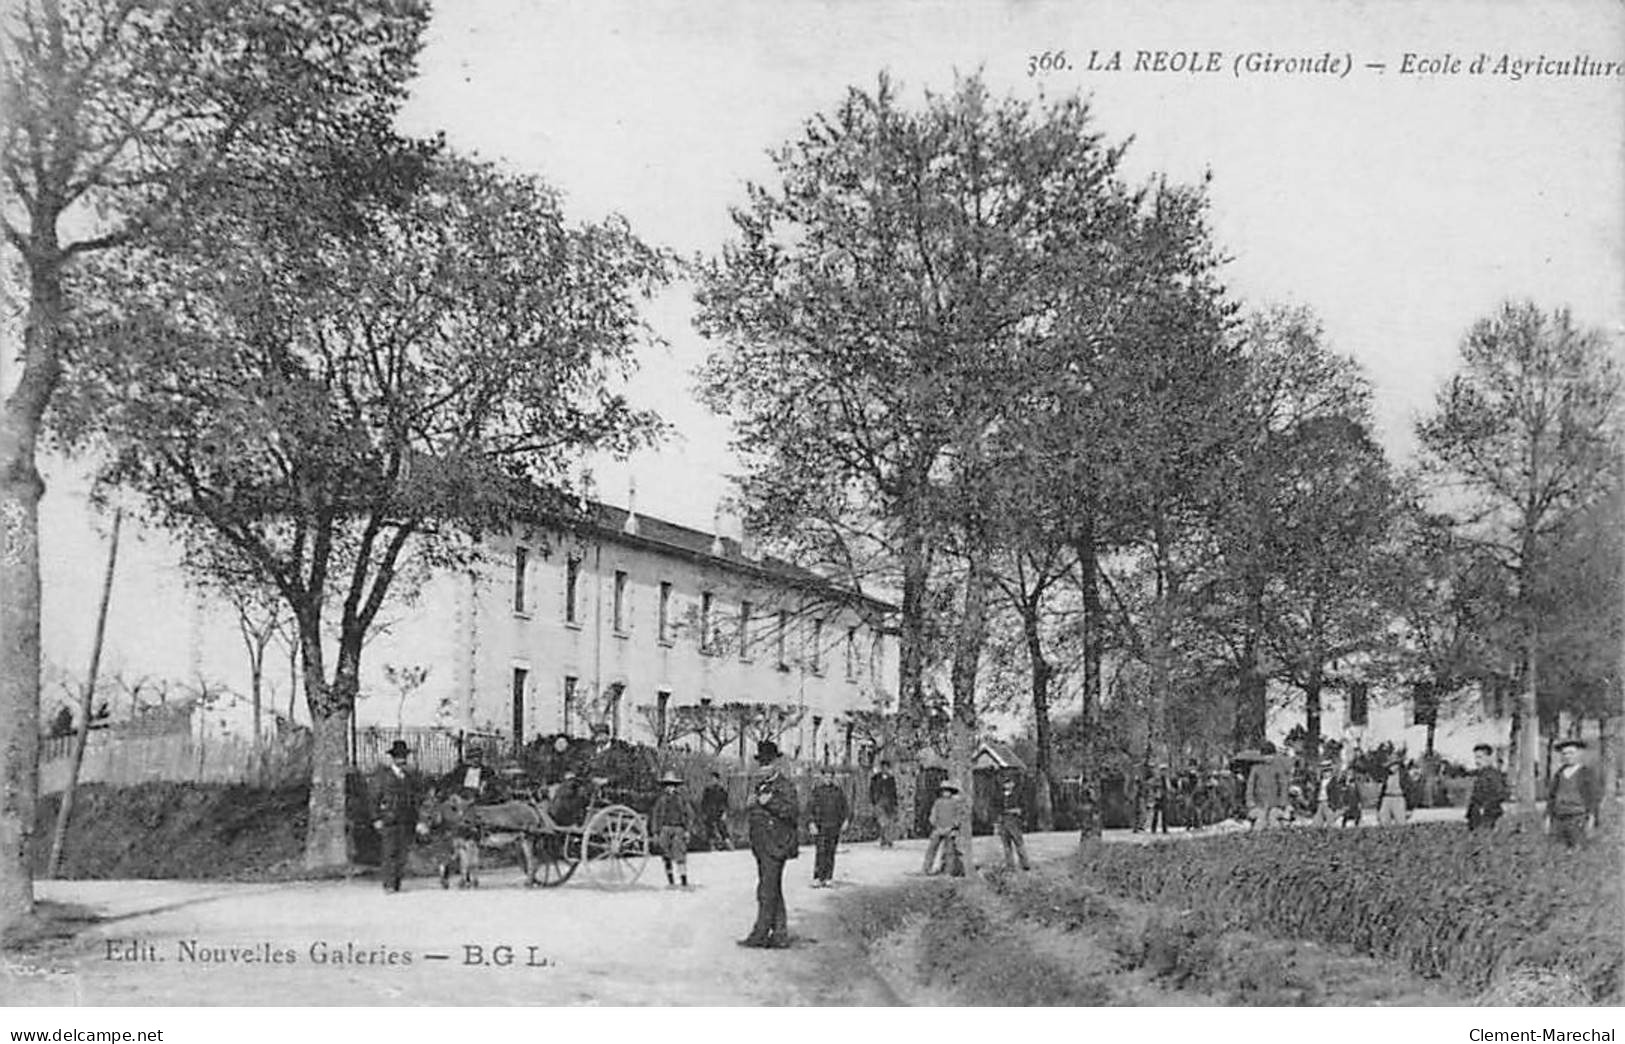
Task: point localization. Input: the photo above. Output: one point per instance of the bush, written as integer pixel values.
(1476, 908)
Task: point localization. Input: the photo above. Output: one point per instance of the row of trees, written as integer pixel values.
(325, 355)
(968, 362)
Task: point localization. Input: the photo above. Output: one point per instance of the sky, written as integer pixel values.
(1398, 207)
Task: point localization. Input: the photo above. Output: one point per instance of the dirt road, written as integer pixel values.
(347, 943)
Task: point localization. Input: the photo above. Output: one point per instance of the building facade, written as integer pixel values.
(629, 619)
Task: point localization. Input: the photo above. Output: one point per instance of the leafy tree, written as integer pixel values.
(117, 112)
(1522, 439)
(335, 391)
(868, 318)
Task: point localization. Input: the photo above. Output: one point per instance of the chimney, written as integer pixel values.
(749, 548)
(717, 546)
(630, 526)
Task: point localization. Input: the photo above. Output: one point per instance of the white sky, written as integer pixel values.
(1399, 208)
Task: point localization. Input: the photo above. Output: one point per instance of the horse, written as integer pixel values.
(483, 826)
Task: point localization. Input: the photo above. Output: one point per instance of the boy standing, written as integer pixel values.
(1489, 790)
(883, 796)
(671, 819)
(828, 814)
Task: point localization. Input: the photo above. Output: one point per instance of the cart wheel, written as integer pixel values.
(556, 860)
(615, 846)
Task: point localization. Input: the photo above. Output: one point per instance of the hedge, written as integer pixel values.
(1473, 907)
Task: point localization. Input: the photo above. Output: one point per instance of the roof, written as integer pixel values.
(993, 754)
(610, 523)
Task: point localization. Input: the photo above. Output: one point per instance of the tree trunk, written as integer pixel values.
(969, 639)
(1311, 713)
(1252, 710)
(1041, 674)
(1089, 578)
(86, 706)
(331, 706)
(1525, 785)
(20, 490)
(1161, 650)
(911, 642)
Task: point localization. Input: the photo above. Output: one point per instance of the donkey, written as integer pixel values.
(482, 826)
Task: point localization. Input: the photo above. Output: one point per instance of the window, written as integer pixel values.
(620, 601)
(744, 630)
(521, 559)
(781, 636)
(570, 683)
(665, 613)
(520, 675)
(662, 701)
(851, 654)
(572, 579)
(815, 655)
(707, 641)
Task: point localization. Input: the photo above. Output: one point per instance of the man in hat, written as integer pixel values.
(473, 780)
(945, 815)
(1572, 796)
(775, 818)
(828, 812)
(1011, 820)
(1489, 790)
(395, 795)
(714, 814)
(671, 820)
(883, 796)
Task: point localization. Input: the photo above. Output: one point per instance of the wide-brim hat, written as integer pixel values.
(671, 779)
(399, 749)
(767, 752)
(947, 785)
(600, 728)
(1565, 744)
(475, 754)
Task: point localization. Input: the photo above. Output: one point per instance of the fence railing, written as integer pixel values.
(124, 759)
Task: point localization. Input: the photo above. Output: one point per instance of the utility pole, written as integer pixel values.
(86, 700)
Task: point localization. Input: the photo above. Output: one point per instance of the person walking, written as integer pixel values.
(671, 820)
(714, 814)
(1392, 808)
(1489, 790)
(1572, 796)
(945, 815)
(827, 814)
(883, 796)
(1012, 816)
(396, 792)
(775, 816)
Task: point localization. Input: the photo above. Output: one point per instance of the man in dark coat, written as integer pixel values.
(883, 796)
(775, 815)
(474, 780)
(395, 795)
(1572, 796)
(1012, 817)
(1489, 790)
(714, 814)
(828, 813)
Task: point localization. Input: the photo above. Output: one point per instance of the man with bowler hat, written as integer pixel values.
(1572, 796)
(395, 813)
(775, 814)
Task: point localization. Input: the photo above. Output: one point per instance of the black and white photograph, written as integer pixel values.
(988, 504)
